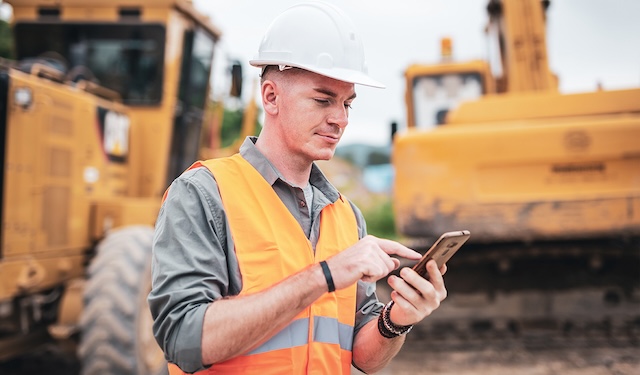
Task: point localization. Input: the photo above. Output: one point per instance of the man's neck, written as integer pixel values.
(295, 170)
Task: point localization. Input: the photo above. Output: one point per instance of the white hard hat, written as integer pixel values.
(318, 37)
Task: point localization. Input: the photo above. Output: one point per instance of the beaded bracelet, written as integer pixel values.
(387, 328)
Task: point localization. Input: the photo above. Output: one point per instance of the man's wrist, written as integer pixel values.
(387, 328)
(327, 276)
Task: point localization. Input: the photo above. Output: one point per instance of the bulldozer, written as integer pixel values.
(547, 183)
(103, 106)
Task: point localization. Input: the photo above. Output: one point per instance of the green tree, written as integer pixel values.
(232, 125)
(380, 219)
(6, 40)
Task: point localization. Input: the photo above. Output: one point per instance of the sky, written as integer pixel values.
(588, 42)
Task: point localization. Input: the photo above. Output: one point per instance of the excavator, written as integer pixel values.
(548, 184)
(103, 106)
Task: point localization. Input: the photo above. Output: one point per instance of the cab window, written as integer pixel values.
(126, 58)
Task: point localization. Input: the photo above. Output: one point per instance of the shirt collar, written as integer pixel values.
(250, 153)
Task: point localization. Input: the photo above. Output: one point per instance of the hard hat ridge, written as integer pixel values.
(318, 37)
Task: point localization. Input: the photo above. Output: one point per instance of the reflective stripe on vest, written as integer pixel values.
(327, 330)
(270, 245)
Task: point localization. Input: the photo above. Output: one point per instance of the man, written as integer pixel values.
(260, 265)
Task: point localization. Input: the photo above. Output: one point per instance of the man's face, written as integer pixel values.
(313, 113)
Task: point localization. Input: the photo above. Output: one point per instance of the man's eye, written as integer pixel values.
(348, 105)
(322, 101)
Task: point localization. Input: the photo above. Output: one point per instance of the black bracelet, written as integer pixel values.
(383, 330)
(327, 276)
(389, 329)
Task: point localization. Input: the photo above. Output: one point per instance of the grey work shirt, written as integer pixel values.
(194, 261)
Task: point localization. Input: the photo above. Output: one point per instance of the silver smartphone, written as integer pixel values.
(442, 250)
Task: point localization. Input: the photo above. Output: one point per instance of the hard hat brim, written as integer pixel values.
(345, 75)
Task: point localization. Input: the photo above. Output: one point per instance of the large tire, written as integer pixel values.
(116, 335)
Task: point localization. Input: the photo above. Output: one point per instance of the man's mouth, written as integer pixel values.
(331, 138)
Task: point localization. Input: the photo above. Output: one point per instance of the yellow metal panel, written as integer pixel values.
(24, 14)
(28, 275)
(22, 180)
(545, 105)
(414, 70)
(154, 125)
(108, 10)
(108, 214)
(583, 180)
(55, 167)
(499, 179)
(526, 64)
(89, 14)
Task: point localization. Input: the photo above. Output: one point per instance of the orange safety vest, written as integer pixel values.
(270, 246)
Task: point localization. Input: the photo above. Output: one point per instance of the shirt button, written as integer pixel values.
(303, 204)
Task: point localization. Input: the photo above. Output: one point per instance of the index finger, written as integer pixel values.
(396, 248)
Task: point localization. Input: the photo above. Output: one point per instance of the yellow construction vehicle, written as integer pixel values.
(102, 109)
(547, 183)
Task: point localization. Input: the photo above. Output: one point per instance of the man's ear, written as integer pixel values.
(269, 94)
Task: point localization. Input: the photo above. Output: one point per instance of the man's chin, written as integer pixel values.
(325, 154)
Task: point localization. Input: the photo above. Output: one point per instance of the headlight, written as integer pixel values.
(23, 97)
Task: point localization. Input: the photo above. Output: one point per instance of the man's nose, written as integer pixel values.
(339, 116)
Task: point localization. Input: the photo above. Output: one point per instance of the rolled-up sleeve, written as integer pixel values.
(189, 266)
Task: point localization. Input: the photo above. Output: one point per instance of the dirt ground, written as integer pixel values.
(602, 356)
(417, 358)
(425, 354)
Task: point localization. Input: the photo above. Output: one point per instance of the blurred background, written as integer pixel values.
(589, 44)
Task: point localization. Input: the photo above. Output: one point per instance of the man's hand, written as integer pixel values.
(415, 297)
(367, 260)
